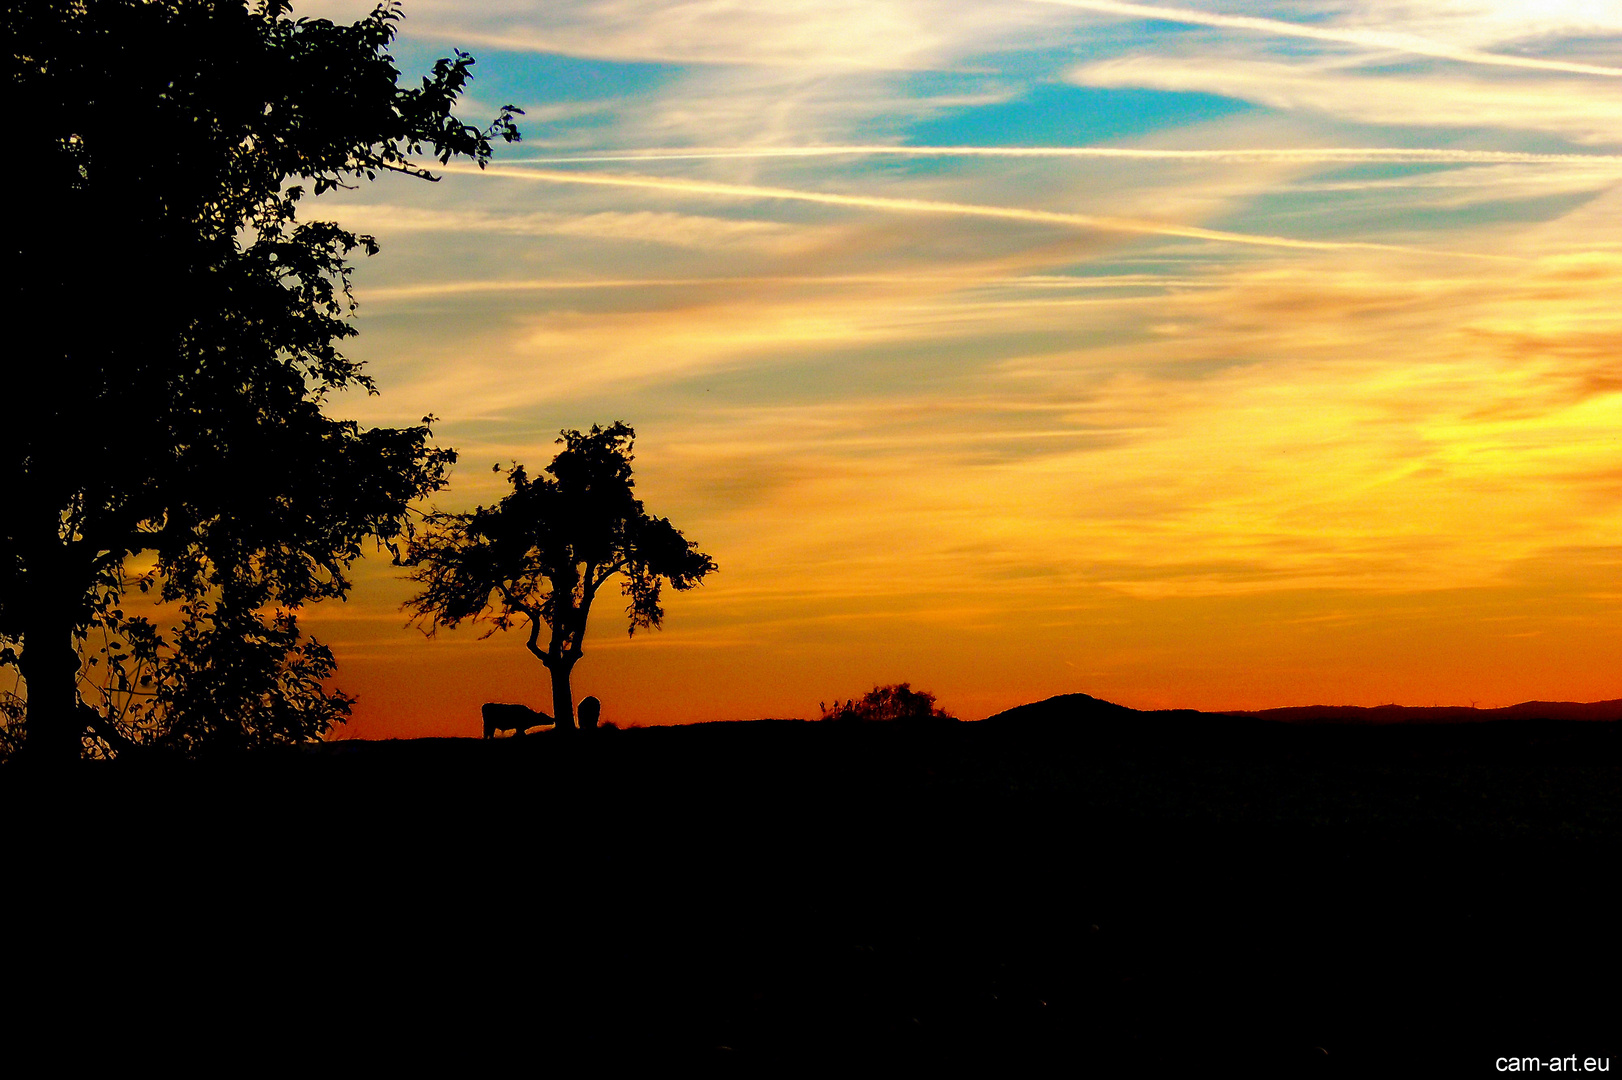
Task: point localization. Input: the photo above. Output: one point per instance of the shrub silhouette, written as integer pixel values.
(897, 701)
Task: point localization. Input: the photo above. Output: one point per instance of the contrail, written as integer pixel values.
(1376, 39)
(924, 206)
(1043, 281)
(1310, 155)
(453, 288)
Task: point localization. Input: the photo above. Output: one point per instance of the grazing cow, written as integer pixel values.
(517, 719)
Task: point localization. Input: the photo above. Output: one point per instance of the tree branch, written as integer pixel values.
(535, 636)
(106, 731)
(609, 571)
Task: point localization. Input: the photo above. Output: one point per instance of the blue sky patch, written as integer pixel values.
(1053, 114)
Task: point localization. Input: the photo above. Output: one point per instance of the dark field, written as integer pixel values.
(1069, 885)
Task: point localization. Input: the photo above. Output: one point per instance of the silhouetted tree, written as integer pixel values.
(178, 327)
(542, 553)
(231, 676)
(887, 703)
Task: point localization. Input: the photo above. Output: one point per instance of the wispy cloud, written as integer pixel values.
(1101, 223)
(1383, 40)
(1407, 100)
(1473, 185)
(787, 34)
(1055, 410)
(1325, 155)
(680, 230)
(1034, 281)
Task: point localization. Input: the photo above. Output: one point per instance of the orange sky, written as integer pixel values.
(1284, 372)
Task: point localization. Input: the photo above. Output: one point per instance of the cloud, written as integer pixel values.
(1325, 155)
(1387, 99)
(754, 282)
(909, 34)
(1490, 23)
(1378, 39)
(1474, 185)
(1319, 425)
(1009, 408)
(789, 34)
(679, 230)
(802, 71)
(1101, 223)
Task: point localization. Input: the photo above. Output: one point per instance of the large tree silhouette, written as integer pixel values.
(175, 336)
(541, 555)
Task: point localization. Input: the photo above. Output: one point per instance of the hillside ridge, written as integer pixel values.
(1085, 706)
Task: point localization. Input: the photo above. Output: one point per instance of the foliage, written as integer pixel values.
(181, 341)
(540, 556)
(236, 676)
(886, 703)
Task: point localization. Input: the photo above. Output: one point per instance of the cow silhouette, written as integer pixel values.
(500, 716)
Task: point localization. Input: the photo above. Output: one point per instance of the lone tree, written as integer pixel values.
(896, 702)
(178, 329)
(541, 555)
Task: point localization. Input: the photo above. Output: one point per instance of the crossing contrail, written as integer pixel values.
(925, 206)
(1374, 39)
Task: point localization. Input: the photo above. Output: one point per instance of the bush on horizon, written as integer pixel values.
(898, 701)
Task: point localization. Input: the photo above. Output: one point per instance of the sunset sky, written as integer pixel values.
(1224, 354)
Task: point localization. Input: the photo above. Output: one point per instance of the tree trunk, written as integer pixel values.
(50, 666)
(562, 696)
(50, 598)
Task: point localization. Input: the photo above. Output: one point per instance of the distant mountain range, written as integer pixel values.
(1440, 714)
(1083, 706)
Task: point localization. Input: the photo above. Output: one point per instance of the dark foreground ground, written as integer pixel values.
(1071, 886)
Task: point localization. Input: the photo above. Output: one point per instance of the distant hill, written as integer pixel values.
(1083, 709)
(1440, 714)
(1065, 706)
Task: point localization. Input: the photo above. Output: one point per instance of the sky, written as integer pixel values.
(1223, 354)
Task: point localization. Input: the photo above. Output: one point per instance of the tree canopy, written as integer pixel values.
(178, 332)
(896, 702)
(542, 554)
